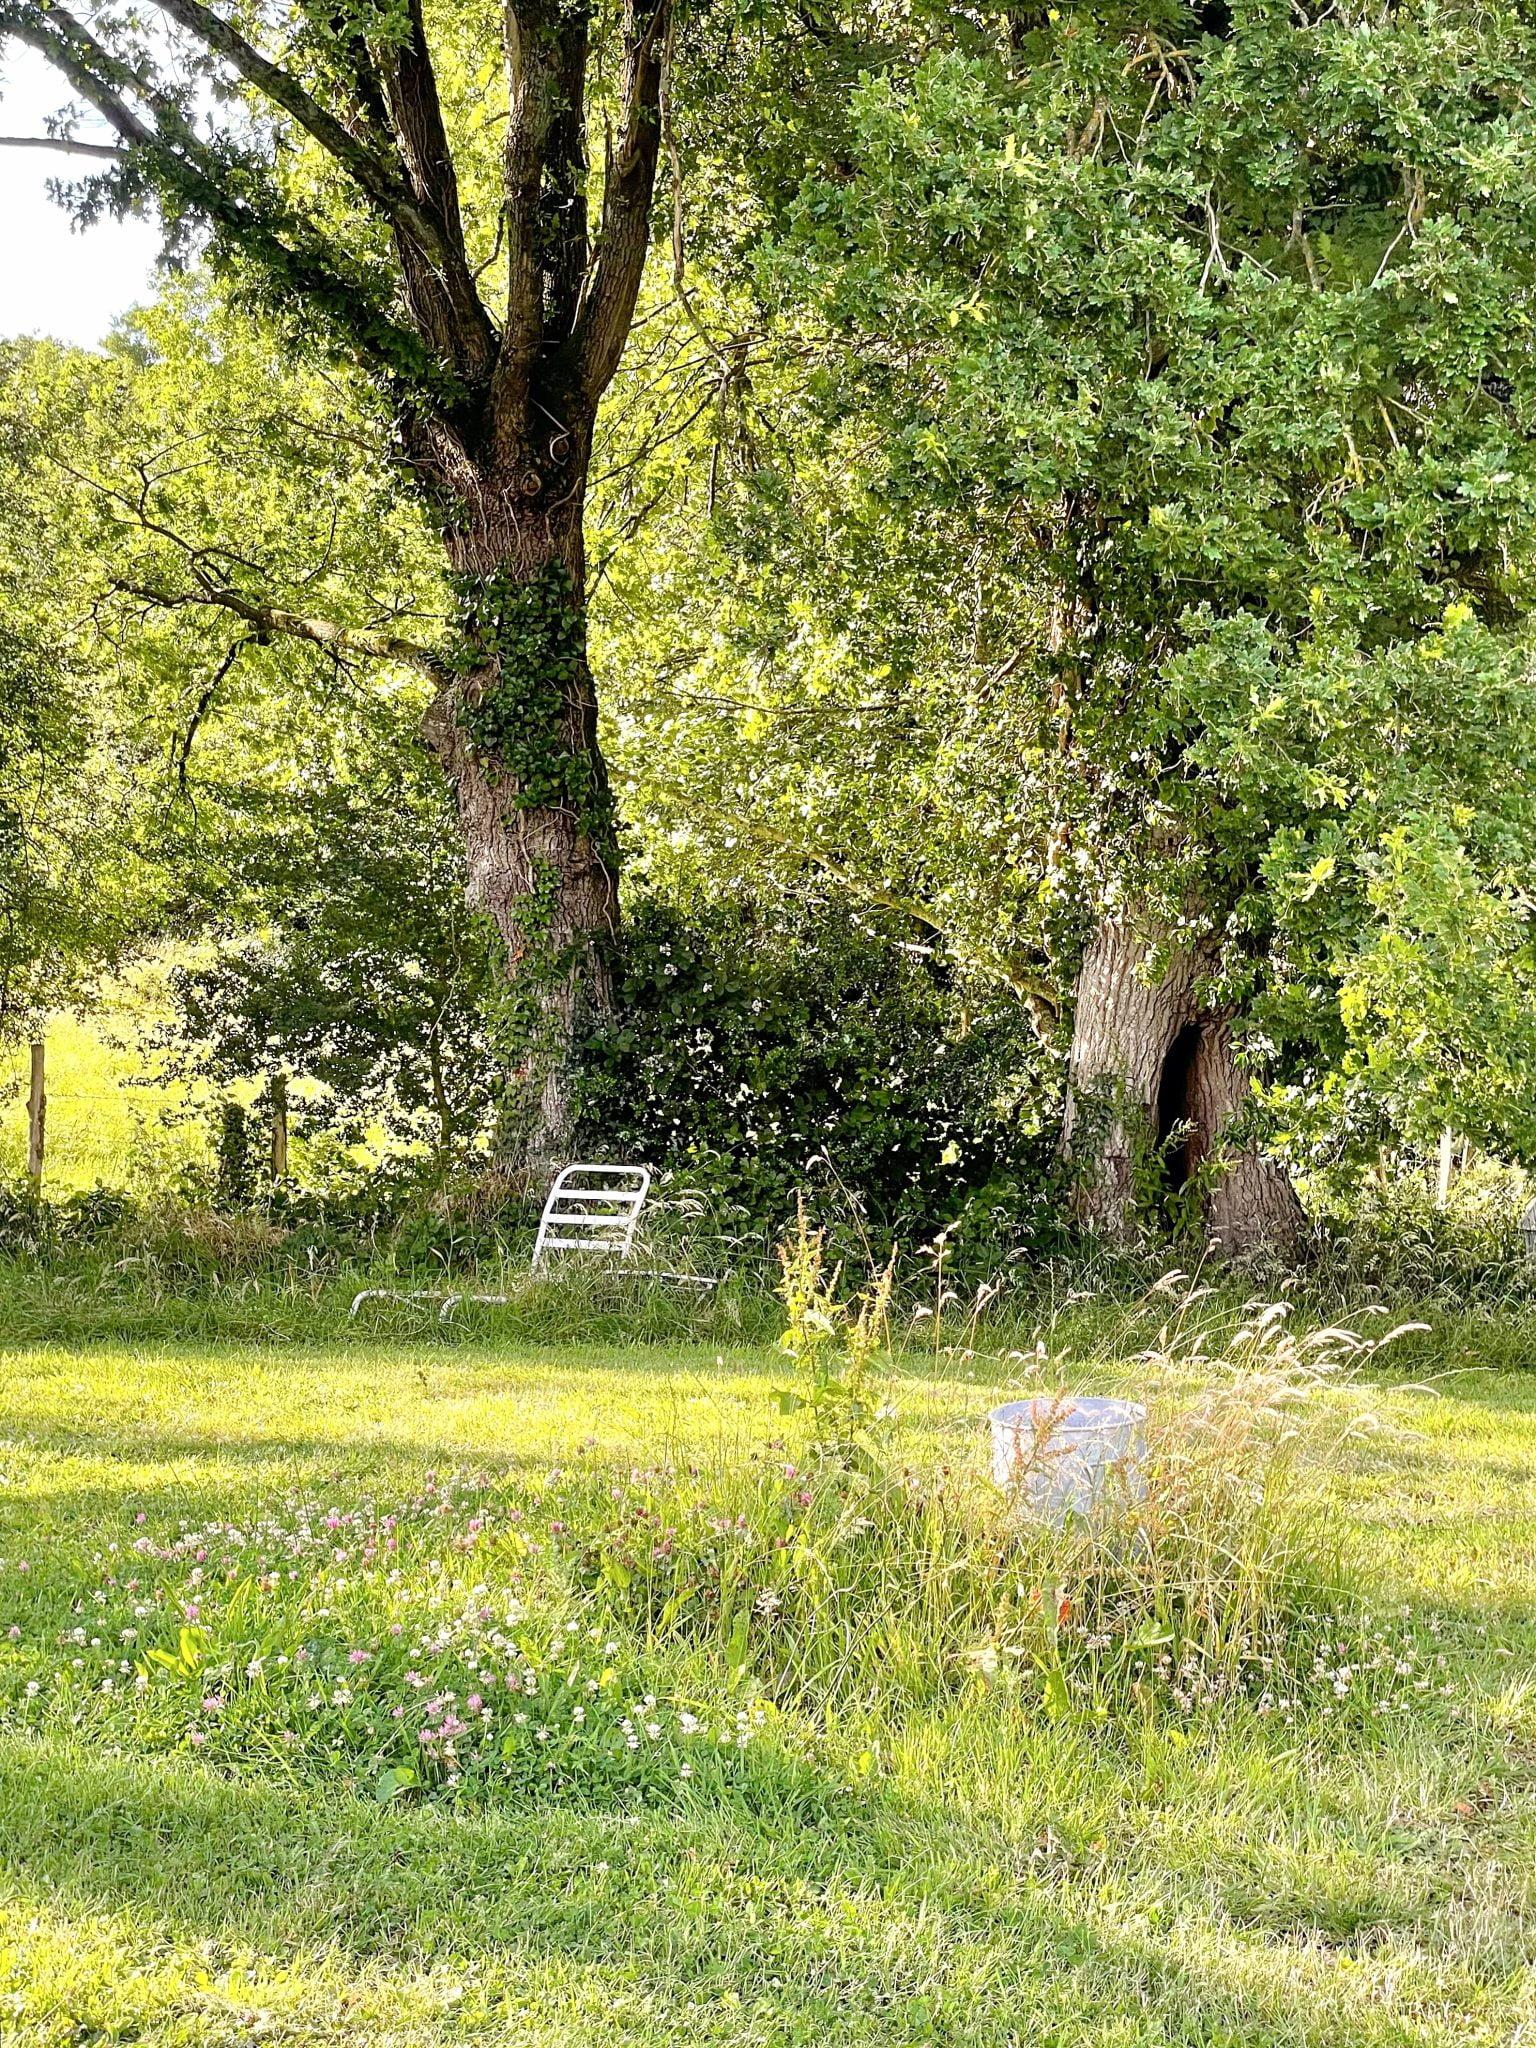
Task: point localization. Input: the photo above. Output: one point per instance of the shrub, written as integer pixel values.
(1384, 1232)
(757, 1052)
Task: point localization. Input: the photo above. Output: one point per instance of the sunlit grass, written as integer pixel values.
(113, 1120)
(969, 1864)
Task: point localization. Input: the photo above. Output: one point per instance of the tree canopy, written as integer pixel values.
(1066, 472)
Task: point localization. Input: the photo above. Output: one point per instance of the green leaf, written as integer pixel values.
(674, 1607)
(736, 1647)
(1058, 1700)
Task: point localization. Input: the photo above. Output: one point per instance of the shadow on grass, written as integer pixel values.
(353, 1349)
(40, 1308)
(889, 1924)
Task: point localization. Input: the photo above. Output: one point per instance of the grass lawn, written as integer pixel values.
(222, 1568)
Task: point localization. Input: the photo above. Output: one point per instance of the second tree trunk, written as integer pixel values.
(1155, 1083)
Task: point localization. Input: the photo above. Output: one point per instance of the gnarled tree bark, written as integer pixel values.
(538, 832)
(1155, 1083)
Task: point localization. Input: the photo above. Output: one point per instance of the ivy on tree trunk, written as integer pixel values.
(494, 372)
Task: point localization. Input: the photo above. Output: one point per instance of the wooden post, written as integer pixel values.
(1447, 1159)
(37, 1118)
(279, 1126)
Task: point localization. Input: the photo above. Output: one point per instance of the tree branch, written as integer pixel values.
(70, 50)
(111, 151)
(413, 186)
(613, 280)
(384, 183)
(546, 81)
(408, 82)
(204, 705)
(270, 620)
(195, 175)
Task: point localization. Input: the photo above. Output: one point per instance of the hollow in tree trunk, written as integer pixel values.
(1155, 1083)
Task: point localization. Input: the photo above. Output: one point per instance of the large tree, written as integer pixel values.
(365, 171)
(75, 891)
(1178, 371)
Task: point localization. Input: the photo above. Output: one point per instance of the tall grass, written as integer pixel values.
(846, 1576)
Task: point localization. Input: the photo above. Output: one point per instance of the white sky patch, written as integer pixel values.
(56, 278)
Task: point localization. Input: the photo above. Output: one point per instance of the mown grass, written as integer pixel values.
(939, 1852)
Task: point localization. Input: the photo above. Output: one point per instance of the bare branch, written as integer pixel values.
(72, 51)
(417, 193)
(204, 704)
(66, 144)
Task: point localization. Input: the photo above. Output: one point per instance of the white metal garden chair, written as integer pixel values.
(597, 1209)
(589, 1208)
(592, 1209)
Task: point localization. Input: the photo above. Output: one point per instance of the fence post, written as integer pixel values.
(1447, 1159)
(279, 1126)
(37, 1118)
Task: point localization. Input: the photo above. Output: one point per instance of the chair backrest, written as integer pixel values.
(593, 1209)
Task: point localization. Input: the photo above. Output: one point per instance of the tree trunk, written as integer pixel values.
(1248, 1203)
(516, 733)
(1123, 1031)
(1154, 1081)
(494, 398)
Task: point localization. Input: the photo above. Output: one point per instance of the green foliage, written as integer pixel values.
(833, 1347)
(1087, 462)
(182, 749)
(1385, 1234)
(234, 1165)
(348, 958)
(759, 1048)
(73, 892)
(1151, 526)
(44, 922)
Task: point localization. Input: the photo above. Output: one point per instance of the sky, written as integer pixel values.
(54, 277)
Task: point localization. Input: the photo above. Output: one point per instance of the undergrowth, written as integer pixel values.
(733, 1625)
